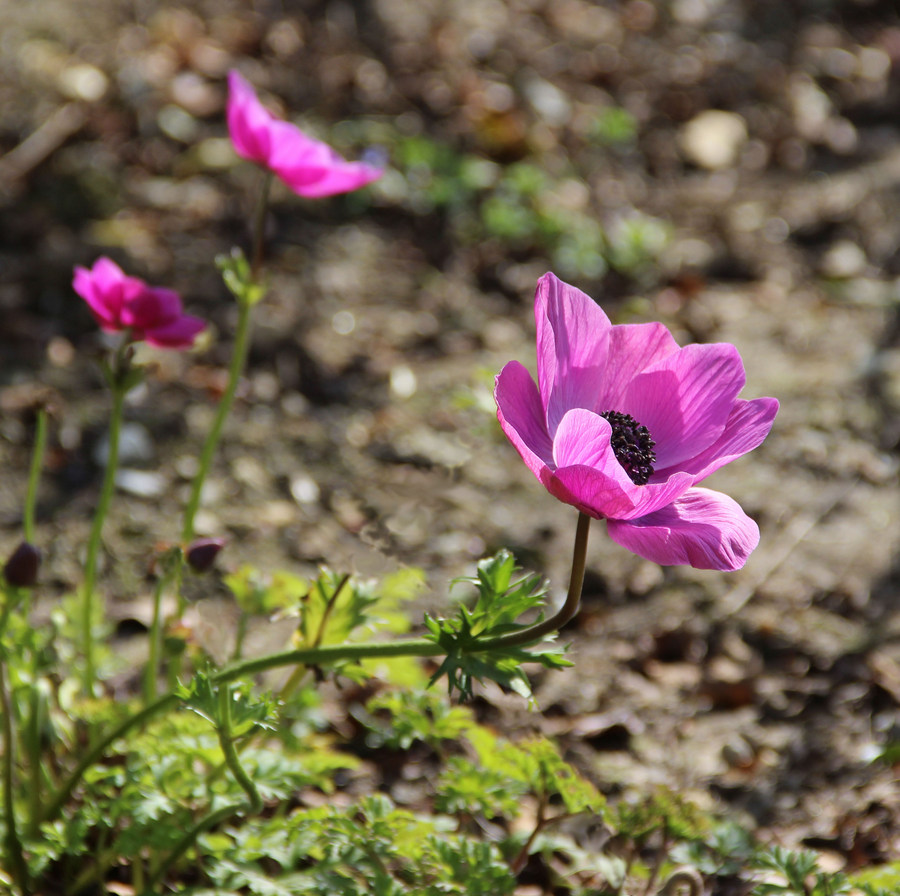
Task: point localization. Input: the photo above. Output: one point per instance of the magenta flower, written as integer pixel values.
(119, 302)
(623, 424)
(309, 167)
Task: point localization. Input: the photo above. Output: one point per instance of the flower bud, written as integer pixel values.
(21, 569)
(202, 552)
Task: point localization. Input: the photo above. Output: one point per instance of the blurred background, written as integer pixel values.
(730, 167)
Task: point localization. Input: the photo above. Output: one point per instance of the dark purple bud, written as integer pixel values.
(21, 569)
(202, 552)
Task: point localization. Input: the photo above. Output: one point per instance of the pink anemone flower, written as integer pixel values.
(309, 167)
(119, 302)
(624, 424)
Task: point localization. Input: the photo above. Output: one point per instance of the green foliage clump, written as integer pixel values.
(505, 593)
(371, 847)
(519, 207)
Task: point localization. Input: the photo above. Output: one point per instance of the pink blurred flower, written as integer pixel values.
(309, 167)
(119, 303)
(624, 424)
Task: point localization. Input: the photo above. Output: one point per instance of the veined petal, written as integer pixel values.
(249, 122)
(588, 468)
(597, 492)
(521, 416)
(312, 168)
(294, 151)
(572, 346)
(340, 178)
(153, 307)
(686, 398)
(582, 438)
(103, 304)
(703, 529)
(654, 495)
(747, 427)
(106, 289)
(179, 333)
(632, 348)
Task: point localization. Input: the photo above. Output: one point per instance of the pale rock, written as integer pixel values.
(141, 483)
(135, 446)
(713, 139)
(843, 260)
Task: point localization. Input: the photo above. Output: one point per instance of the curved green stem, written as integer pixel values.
(246, 299)
(34, 474)
(36, 716)
(235, 369)
(259, 226)
(306, 656)
(90, 568)
(13, 850)
(185, 843)
(329, 653)
(226, 741)
(566, 612)
(151, 672)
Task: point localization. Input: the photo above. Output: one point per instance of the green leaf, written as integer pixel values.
(399, 718)
(879, 881)
(247, 712)
(662, 810)
(505, 593)
(260, 594)
(238, 277)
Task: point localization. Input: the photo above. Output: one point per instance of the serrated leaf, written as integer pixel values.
(247, 712)
(260, 594)
(331, 609)
(504, 594)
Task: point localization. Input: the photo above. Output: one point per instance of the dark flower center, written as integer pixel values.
(632, 445)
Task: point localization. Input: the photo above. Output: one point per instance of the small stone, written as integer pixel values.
(83, 82)
(550, 103)
(403, 381)
(843, 260)
(141, 483)
(713, 139)
(135, 446)
(177, 123)
(304, 489)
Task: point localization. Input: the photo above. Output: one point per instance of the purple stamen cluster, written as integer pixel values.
(632, 445)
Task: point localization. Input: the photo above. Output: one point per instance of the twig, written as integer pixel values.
(41, 144)
(681, 878)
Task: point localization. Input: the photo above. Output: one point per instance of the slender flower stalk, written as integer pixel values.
(245, 286)
(226, 741)
(13, 844)
(34, 474)
(120, 385)
(151, 671)
(566, 612)
(235, 370)
(259, 226)
(187, 841)
(37, 715)
(317, 656)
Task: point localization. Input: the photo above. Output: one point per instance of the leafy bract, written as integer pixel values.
(504, 594)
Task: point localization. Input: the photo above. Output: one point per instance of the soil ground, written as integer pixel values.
(364, 434)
